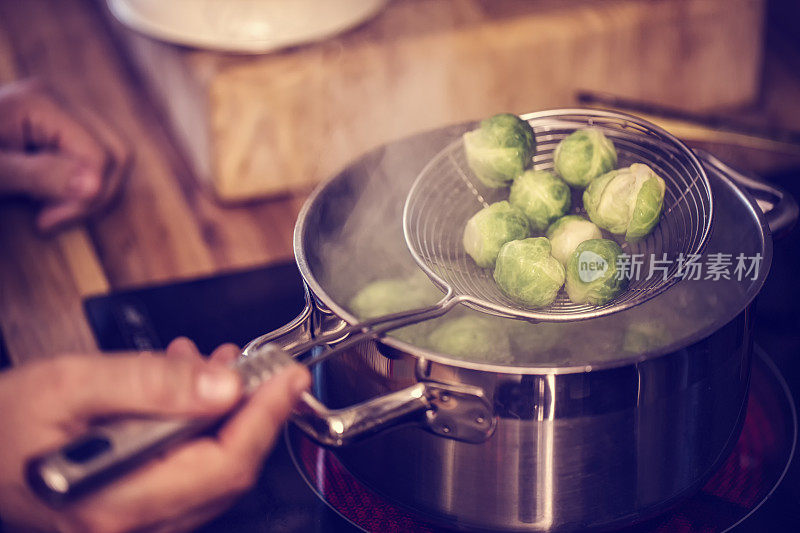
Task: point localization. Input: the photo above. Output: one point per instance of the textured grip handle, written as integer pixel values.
(104, 453)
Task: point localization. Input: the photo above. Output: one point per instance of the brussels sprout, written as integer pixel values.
(592, 272)
(471, 336)
(386, 296)
(542, 196)
(492, 227)
(393, 295)
(500, 149)
(526, 272)
(626, 201)
(584, 155)
(567, 233)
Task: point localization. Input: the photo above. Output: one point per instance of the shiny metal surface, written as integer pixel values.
(379, 182)
(584, 444)
(570, 451)
(451, 410)
(446, 194)
(443, 197)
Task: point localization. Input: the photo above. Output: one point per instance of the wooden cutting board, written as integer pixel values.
(259, 126)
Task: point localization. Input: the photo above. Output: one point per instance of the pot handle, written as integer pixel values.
(779, 207)
(298, 331)
(459, 412)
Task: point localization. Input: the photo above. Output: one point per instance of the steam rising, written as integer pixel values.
(355, 237)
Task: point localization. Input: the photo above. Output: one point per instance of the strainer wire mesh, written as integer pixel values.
(446, 194)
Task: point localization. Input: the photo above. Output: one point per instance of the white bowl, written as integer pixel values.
(245, 26)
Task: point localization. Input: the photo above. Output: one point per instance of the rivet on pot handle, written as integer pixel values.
(779, 207)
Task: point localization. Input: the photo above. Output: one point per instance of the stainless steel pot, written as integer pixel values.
(542, 446)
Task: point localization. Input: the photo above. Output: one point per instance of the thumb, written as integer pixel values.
(47, 176)
(90, 387)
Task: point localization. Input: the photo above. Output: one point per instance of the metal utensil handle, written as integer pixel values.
(103, 454)
(297, 338)
(368, 329)
(782, 210)
(111, 449)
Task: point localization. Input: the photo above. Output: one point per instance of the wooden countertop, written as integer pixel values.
(164, 226)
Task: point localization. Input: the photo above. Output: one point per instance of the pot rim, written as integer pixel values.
(573, 368)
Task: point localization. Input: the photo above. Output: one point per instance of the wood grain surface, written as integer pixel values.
(262, 125)
(165, 226)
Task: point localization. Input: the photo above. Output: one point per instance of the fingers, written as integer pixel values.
(48, 176)
(183, 348)
(192, 481)
(176, 486)
(119, 156)
(226, 354)
(56, 216)
(252, 431)
(34, 124)
(34, 119)
(89, 387)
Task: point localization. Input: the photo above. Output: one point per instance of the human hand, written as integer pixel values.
(46, 404)
(72, 162)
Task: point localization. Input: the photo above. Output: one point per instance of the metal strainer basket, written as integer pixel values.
(446, 194)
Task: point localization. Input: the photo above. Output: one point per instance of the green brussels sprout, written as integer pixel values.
(567, 233)
(500, 149)
(387, 296)
(592, 272)
(471, 336)
(626, 201)
(490, 228)
(645, 336)
(526, 272)
(542, 196)
(583, 155)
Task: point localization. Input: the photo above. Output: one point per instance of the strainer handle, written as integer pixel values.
(779, 207)
(315, 327)
(299, 339)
